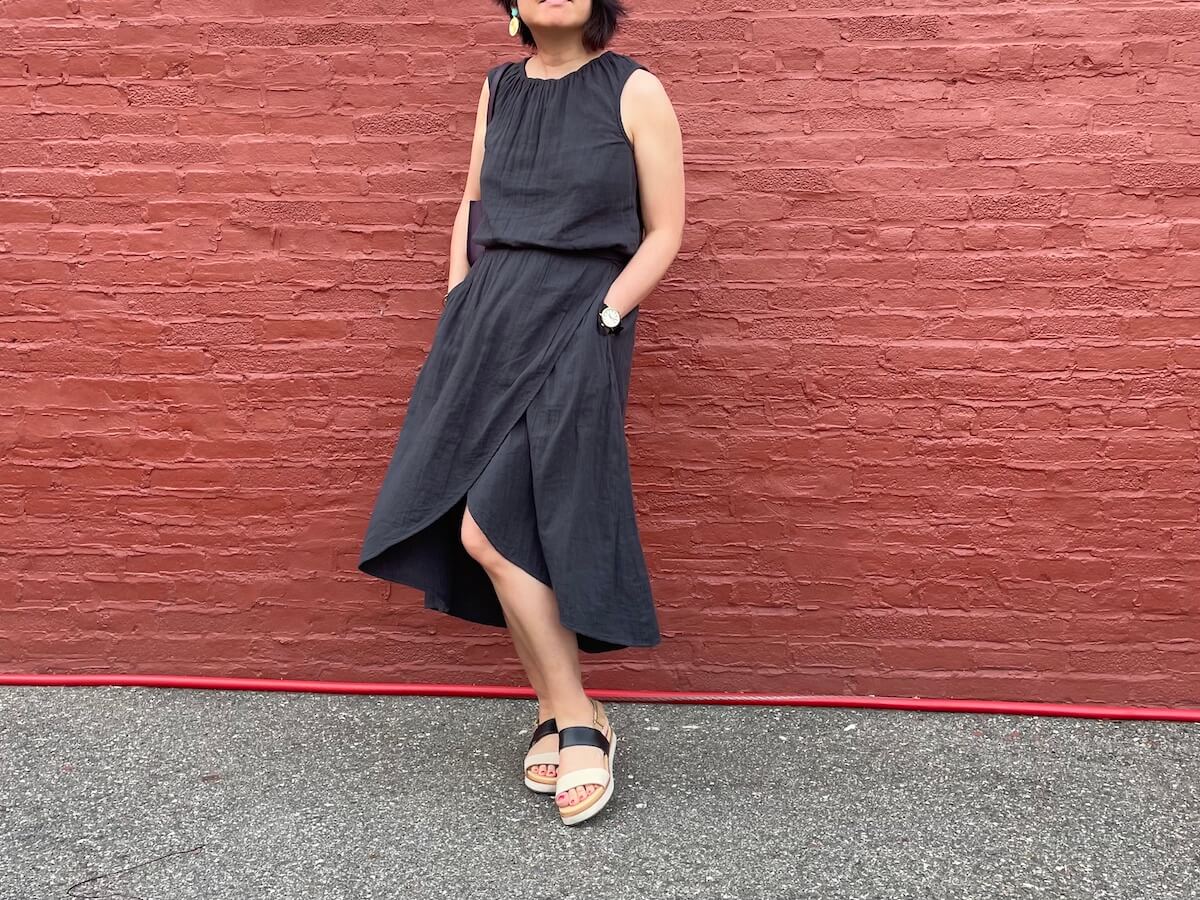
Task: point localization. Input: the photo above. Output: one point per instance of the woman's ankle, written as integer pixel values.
(584, 711)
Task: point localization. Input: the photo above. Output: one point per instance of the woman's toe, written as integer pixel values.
(576, 795)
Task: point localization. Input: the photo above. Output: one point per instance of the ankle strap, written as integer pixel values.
(595, 712)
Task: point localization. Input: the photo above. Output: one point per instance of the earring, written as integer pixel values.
(513, 23)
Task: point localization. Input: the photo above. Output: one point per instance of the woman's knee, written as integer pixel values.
(476, 544)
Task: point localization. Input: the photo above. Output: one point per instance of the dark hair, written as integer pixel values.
(597, 33)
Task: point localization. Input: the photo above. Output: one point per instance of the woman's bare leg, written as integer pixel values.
(537, 681)
(531, 611)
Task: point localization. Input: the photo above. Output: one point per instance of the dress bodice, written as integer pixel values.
(558, 169)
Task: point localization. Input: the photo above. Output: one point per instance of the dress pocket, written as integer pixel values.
(453, 293)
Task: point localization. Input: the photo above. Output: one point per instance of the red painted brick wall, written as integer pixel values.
(913, 413)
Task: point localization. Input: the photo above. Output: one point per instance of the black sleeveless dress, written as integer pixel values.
(518, 411)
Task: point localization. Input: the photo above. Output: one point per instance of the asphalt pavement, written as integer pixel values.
(168, 794)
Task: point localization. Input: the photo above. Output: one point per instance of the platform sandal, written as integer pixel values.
(542, 784)
(577, 735)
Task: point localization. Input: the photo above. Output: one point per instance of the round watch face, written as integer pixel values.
(610, 316)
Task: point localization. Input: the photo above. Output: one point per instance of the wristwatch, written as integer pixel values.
(609, 320)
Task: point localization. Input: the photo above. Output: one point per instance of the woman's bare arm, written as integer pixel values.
(459, 266)
(658, 154)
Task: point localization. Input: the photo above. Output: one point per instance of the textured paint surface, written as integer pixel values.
(914, 411)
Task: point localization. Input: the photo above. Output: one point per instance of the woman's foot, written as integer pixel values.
(546, 744)
(581, 757)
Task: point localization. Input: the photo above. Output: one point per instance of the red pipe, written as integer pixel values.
(494, 691)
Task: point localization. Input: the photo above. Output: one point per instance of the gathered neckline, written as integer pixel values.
(525, 74)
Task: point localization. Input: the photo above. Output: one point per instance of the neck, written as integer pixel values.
(557, 59)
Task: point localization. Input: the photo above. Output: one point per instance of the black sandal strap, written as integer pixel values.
(547, 727)
(582, 735)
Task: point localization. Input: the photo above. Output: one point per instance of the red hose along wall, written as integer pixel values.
(991, 707)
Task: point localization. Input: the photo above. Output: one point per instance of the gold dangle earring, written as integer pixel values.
(513, 24)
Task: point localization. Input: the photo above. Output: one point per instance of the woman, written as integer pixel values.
(508, 499)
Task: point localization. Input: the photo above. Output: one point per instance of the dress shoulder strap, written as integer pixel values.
(627, 65)
(493, 77)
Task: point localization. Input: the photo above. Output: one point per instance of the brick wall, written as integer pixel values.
(913, 413)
